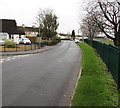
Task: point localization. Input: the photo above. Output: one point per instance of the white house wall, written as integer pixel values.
(4, 36)
(16, 38)
(23, 36)
(31, 34)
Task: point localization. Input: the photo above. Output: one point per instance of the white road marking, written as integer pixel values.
(1, 61)
(7, 59)
(12, 58)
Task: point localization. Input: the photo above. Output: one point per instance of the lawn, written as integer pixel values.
(96, 86)
(108, 42)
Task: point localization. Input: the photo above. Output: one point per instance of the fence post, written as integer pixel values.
(39, 46)
(16, 47)
(4, 47)
(109, 57)
(119, 72)
(25, 47)
(31, 46)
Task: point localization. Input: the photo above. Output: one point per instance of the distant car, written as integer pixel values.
(2, 42)
(77, 41)
(25, 41)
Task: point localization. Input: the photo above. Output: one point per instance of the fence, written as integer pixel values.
(24, 47)
(20, 47)
(110, 55)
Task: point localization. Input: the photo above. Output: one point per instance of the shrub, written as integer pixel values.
(54, 42)
(45, 43)
(10, 44)
(41, 44)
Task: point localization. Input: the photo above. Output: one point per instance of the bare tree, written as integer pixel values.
(105, 15)
(89, 27)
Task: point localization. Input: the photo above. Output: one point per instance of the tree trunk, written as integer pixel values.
(117, 39)
(117, 36)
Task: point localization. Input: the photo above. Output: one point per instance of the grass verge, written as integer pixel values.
(96, 86)
(108, 42)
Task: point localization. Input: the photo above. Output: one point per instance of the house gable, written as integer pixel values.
(10, 27)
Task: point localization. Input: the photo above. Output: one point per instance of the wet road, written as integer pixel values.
(45, 79)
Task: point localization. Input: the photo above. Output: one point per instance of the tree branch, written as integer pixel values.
(104, 12)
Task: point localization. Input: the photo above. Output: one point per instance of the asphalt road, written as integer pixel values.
(44, 79)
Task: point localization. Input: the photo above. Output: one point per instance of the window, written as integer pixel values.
(12, 37)
(9, 36)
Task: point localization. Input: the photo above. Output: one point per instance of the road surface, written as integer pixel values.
(44, 79)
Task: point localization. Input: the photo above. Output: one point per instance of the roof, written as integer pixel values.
(28, 29)
(9, 26)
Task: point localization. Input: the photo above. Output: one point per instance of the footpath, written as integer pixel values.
(45, 48)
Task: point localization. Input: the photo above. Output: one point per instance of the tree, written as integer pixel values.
(89, 27)
(47, 23)
(105, 15)
(110, 11)
(73, 34)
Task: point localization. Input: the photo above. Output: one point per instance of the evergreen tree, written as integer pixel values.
(73, 34)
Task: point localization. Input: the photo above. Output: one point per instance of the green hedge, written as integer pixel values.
(53, 42)
(10, 44)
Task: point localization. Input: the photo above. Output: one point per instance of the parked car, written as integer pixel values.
(25, 41)
(1, 42)
(77, 41)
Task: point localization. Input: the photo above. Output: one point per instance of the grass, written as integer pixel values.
(96, 86)
(108, 42)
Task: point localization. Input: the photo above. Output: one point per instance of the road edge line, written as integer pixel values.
(79, 75)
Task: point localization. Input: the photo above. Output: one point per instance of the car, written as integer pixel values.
(77, 41)
(2, 42)
(25, 41)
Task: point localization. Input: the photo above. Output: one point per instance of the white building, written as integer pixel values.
(9, 30)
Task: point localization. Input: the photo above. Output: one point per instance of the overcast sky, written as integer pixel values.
(25, 11)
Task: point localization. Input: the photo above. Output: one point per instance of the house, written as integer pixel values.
(80, 37)
(69, 37)
(64, 36)
(29, 31)
(9, 30)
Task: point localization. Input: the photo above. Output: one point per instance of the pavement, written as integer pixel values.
(45, 48)
(41, 79)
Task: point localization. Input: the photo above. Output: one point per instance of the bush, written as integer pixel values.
(58, 40)
(47, 43)
(10, 44)
(53, 42)
(41, 44)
